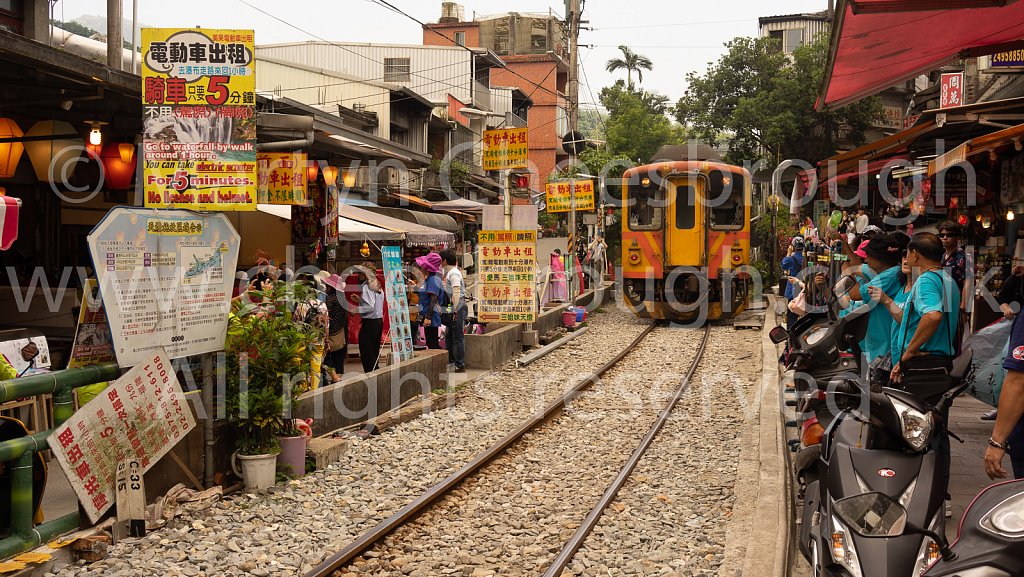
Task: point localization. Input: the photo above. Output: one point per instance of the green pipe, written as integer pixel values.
(17, 448)
(51, 383)
(21, 497)
(41, 534)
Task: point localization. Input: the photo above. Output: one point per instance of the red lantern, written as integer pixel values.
(962, 220)
(117, 172)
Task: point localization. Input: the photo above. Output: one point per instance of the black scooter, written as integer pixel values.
(883, 441)
(990, 541)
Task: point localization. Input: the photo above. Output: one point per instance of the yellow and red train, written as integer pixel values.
(686, 240)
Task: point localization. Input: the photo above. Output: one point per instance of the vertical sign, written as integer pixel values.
(951, 90)
(505, 148)
(558, 198)
(142, 415)
(507, 277)
(166, 277)
(131, 500)
(398, 304)
(281, 178)
(199, 119)
(93, 344)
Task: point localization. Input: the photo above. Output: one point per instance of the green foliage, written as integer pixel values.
(637, 124)
(786, 227)
(630, 62)
(269, 358)
(591, 122)
(758, 101)
(458, 171)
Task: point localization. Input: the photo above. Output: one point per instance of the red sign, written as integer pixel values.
(952, 90)
(909, 121)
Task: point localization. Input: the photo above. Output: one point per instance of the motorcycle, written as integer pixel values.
(884, 441)
(990, 539)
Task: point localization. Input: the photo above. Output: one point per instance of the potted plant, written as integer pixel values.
(268, 361)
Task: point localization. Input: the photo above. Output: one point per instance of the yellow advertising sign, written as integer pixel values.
(559, 198)
(507, 276)
(281, 178)
(505, 148)
(199, 118)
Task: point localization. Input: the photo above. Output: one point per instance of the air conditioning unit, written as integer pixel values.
(390, 176)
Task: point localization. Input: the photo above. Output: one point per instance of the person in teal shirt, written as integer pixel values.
(882, 257)
(929, 321)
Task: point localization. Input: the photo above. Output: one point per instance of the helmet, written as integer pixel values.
(798, 243)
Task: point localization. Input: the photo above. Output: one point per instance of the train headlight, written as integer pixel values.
(645, 181)
(737, 257)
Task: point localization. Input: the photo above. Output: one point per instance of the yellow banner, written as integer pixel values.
(507, 276)
(281, 178)
(505, 148)
(199, 119)
(559, 196)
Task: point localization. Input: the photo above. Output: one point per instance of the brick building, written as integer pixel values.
(534, 48)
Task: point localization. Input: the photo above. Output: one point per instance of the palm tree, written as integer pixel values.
(631, 61)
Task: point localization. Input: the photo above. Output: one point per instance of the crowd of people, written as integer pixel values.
(917, 292)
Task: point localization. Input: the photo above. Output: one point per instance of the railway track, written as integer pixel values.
(466, 479)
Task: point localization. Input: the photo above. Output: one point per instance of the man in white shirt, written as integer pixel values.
(861, 222)
(455, 335)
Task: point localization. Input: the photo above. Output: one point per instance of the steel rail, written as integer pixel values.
(576, 541)
(415, 507)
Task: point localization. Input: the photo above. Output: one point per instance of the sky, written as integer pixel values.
(676, 35)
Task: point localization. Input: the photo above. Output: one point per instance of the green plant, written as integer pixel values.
(786, 227)
(458, 171)
(268, 361)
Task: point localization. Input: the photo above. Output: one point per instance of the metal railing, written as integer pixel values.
(17, 453)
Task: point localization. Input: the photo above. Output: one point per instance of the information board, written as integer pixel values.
(505, 148)
(398, 303)
(507, 276)
(143, 415)
(166, 278)
(559, 195)
(199, 118)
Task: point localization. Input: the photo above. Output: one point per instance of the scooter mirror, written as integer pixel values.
(872, 515)
(778, 335)
(844, 285)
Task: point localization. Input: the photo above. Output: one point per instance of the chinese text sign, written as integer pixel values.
(559, 196)
(281, 178)
(505, 148)
(952, 90)
(507, 276)
(142, 415)
(199, 119)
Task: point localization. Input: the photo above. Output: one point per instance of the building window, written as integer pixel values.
(776, 36)
(501, 33)
(396, 70)
(11, 16)
(460, 38)
(794, 38)
(539, 36)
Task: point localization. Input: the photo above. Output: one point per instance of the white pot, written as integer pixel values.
(258, 471)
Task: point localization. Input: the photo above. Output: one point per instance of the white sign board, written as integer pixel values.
(140, 415)
(166, 278)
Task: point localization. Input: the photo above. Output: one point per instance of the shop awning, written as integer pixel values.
(880, 149)
(348, 229)
(429, 219)
(981, 144)
(10, 207)
(279, 210)
(865, 169)
(416, 234)
(460, 205)
(879, 43)
(407, 199)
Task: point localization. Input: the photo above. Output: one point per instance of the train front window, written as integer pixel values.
(686, 210)
(727, 199)
(645, 208)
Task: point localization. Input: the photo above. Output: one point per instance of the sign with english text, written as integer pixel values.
(140, 416)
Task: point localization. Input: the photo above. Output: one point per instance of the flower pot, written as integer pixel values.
(258, 471)
(292, 459)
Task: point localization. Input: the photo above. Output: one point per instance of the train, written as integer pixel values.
(686, 240)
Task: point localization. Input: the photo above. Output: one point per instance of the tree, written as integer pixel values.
(637, 123)
(759, 102)
(630, 62)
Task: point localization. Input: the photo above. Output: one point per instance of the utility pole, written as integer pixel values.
(573, 87)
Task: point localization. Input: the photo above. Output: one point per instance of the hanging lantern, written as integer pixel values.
(977, 217)
(330, 175)
(962, 219)
(348, 178)
(126, 151)
(312, 170)
(117, 172)
(58, 153)
(365, 250)
(10, 152)
(986, 222)
(1010, 215)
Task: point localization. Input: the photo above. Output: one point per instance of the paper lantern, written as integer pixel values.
(116, 172)
(62, 153)
(330, 175)
(348, 178)
(10, 152)
(312, 169)
(126, 151)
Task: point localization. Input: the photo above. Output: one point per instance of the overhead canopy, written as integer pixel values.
(406, 199)
(459, 204)
(866, 168)
(348, 229)
(414, 233)
(279, 210)
(429, 219)
(879, 43)
(979, 145)
(879, 149)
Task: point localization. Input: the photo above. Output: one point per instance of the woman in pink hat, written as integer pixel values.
(336, 346)
(430, 298)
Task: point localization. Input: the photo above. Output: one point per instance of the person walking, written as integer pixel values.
(336, 345)
(455, 287)
(430, 298)
(1008, 431)
(371, 311)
